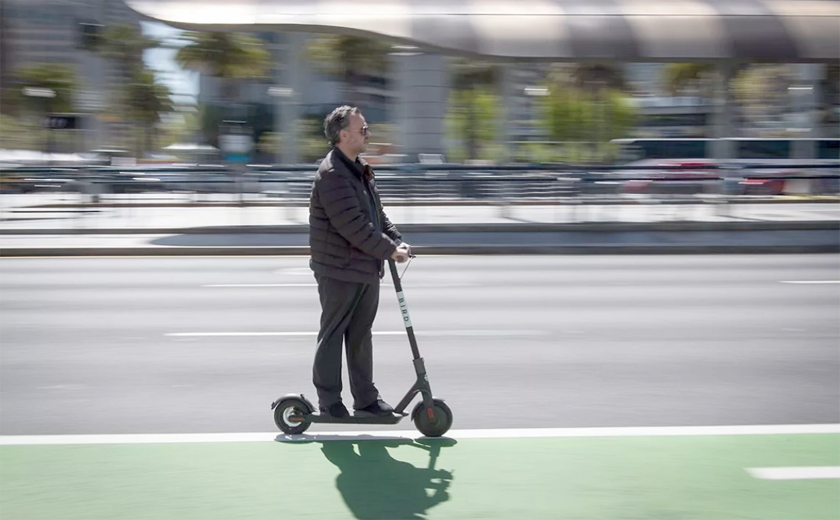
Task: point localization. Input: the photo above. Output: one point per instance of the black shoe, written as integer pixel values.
(378, 407)
(337, 410)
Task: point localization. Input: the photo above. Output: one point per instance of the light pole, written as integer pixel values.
(533, 92)
(281, 114)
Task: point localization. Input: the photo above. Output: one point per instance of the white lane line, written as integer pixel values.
(236, 334)
(804, 282)
(261, 285)
(796, 473)
(461, 333)
(512, 433)
(295, 271)
(131, 438)
(228, 285)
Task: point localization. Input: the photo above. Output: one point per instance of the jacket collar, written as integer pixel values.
(360, 168)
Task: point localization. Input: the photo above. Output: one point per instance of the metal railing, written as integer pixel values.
(424, 184)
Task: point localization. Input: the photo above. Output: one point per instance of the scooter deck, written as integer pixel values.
(357, 418)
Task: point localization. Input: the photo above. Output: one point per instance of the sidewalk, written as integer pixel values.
(164, 224)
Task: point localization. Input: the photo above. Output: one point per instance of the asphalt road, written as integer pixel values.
(183, 345)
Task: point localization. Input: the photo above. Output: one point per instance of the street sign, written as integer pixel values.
(62, 122)
(236, 147)
(236, 143)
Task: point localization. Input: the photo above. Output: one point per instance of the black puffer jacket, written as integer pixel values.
(344, 240)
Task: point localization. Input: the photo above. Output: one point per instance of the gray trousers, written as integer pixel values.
(347, 313)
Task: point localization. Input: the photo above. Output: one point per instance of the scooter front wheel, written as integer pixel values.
(290, 416)
(434, 421)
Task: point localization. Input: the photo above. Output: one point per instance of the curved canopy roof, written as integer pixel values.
(549, 30)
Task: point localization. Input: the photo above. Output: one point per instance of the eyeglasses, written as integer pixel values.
(365, 130)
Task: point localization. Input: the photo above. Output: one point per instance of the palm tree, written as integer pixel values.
(60, 79)
(350, 58)
(597, 77)
(224, 55)
(147, 100)
(46, 89)
(704, 80)
(680, 77)
(125, 44)
(229, 57)
(470, 74)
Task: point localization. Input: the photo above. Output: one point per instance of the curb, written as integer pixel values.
(794, 225)
(426, 250)
(280, 203)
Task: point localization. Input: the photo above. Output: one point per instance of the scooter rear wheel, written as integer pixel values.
(434, 426)
(290, 416)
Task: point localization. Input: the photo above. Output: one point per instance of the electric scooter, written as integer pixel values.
(294, 413)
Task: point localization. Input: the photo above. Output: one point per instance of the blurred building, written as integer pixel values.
(673, 116)
(51, 31)
(5, 66)
(322, 92)
(523, 91)
(262, 101)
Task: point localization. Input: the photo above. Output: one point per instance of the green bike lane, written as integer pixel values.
(708, 476)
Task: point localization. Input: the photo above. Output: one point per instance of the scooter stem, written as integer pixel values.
(409, 329)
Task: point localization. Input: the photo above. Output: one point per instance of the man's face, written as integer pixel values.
(355, 137)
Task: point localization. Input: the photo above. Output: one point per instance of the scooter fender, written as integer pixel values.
(299, 397)
(420, 406)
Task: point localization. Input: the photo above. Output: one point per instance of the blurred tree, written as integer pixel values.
(45, 89)
(229, 57)
(566, 114)
(225, 55)
(474, 108)
(179, 126)
(146, 101)
(16, 134)
(467, 74)
(313, 144)
(597, 77)
(124, 44)
(385, 133)
(471, 124)
(349, 58)
(60, 79)
(703, 80)
(761, 92)
(586, 108)
(621, 116)
(269, 144)
(679, 78)
(586, 121)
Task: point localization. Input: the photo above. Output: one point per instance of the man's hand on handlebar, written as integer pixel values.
(402, 253)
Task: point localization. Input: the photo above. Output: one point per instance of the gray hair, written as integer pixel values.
(337, 121)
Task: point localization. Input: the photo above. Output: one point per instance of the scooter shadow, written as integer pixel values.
(375, 486)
